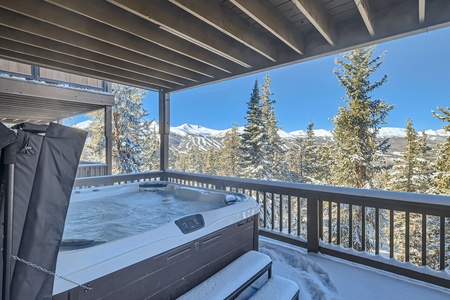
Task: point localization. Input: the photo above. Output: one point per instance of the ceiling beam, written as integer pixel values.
(366, 14)
(221, 18)
(421, 11)
(62, 18)
(113, 16)
(44, 43)
(318, 16)
(12, 45)
(14, 20)
(263, 12)
(182, 24)
(48, 63)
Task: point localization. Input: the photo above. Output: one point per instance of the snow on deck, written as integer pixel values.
(324, 277)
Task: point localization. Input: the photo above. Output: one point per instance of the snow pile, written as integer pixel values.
(439, 132)
(83, 125)
(389, 132)
(317, 133)
(323, 277)
(300, 267)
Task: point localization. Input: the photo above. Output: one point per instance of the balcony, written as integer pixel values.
(175, 45)
(314, 219)
(50, 95)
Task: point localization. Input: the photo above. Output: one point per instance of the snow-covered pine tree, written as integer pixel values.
(230, 155)
(302, 158)
(357, 152)
(150, 145)
(441, 178)
(294, 159)
(210, 161)
(180, 162)
(253, 138)
(408, 171)
(128, 126)
(94, 149)
(194, 160)
(325, 165)
(310, 155)
(275, 167)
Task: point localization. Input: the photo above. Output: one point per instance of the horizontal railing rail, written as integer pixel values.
(403, 233)
(117, 179)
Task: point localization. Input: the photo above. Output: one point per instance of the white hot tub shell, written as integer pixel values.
(165, 262)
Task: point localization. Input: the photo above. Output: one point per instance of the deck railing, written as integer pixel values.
(51, 76)
(403, 233)
(90, 169)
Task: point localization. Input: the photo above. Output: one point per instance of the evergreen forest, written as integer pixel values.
(354, 157)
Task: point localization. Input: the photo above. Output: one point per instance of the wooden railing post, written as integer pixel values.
(35, 72)
(313, 224)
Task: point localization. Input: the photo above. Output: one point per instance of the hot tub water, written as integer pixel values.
(118, 216)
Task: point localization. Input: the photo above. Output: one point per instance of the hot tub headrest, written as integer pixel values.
(153, 186)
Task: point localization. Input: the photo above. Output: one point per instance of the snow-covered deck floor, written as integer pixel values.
(323, 277)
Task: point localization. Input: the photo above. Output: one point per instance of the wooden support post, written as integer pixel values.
(164, 128)
(35, 72)
(108, 137)
(313, 224)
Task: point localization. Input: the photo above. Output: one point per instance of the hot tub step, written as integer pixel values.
(277, 288)
(229, 282)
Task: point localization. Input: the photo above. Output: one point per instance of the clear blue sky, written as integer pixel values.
(418, 69)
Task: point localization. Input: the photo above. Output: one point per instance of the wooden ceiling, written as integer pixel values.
(172, 45)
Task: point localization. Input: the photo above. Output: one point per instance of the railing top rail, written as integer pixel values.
(92, 165)
(111, 179)
(332, 193)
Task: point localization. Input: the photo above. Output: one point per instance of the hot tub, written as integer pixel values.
(152, 239)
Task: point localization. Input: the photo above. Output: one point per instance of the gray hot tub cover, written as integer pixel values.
(44, 218)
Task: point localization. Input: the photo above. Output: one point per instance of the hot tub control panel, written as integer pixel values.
(190, 223)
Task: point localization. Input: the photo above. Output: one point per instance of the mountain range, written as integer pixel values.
(186, 136)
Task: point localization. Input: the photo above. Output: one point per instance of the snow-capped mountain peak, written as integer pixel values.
(192, 129)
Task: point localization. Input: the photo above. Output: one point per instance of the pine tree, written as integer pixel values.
(194, 160)
(151, 147)
(211, 163)
(441, 180)
(302, 158)
(294, 160)
(407, 173)
(253, 138)
(128, 127)
(310, 154)
(275, 166)
(325, 166)
(358, 153)
(180, 163)
(230, 155)
(94, 149)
